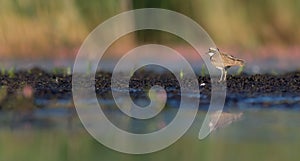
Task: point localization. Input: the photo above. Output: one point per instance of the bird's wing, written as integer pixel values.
(230, 60)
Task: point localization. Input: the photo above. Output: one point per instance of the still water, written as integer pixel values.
(244, 133)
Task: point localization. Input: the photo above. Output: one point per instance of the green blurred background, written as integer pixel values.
(35, 28)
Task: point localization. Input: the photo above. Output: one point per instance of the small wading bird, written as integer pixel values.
(226, 61)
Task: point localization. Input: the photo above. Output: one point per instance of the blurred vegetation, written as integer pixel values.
(34, 26)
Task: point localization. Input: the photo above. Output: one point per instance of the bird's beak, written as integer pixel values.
(209, 51)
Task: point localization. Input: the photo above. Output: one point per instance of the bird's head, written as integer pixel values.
(212, 51)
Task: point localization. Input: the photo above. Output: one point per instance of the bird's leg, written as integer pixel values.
(225, 72)
(222, 75)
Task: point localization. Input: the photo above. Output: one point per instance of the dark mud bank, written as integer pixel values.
(47, 85)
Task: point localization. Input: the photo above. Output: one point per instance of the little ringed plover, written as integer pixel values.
(226, 62)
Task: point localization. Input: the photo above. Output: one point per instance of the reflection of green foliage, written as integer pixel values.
(63, 144)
